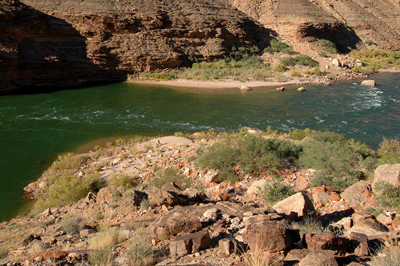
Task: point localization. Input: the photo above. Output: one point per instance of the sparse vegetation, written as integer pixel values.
(170, 175)
(140, 252)
(390, 195)
(328, 46)
(377, 59)
(65, 190)
(123, 181)
(276, 192)
(278, 47)
(303, 60)
(72, 226)
(387, 256)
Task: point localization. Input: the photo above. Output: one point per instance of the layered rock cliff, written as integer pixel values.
(54, 43)
(345, 22)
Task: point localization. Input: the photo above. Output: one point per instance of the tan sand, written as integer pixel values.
(216, 84)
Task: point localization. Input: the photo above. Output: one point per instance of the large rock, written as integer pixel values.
(315, 242)
(368, 83)
(319, 258)
(387, 173)
(189, 244)
(298, 204)
(273, 236)
(357, 193)
(159, 197)
(369, 226)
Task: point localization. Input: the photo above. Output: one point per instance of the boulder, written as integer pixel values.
(388, 173)
(321, 197)
(369, 227)
(359, 244)
(336, 62)
(315, 242)
(319, 258)
(245, 88)
(189, 244)
(356, 193)
(298, 204)
(211, 176)
(368, 83)
(228, 246)
(280, 89)
(273, 236)
(159, 197)
(301, 89)
(296, 255)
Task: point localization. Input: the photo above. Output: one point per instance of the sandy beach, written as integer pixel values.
(216, 84)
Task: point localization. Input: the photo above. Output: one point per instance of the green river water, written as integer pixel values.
(34, 129)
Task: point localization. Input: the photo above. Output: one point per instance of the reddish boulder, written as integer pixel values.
(316, 242)
(188, 244)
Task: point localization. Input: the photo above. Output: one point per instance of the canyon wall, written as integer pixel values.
(62, 43)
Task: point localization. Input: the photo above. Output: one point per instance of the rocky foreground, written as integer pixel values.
(136, 220)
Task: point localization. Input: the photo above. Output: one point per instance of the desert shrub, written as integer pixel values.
(377, 59)
(65, 190)
(315, 71)
(388, 146)
(312, 226)
(140, 253)
(3, 252)
(387, 256)
(389, 158)
(295, 73)
(328, 136)
(328, 46)
(170, 175)
(335, 161)
(277, 47)
(280, 68)
(191, 158)
(243, 52)
(390, 195)
(70, 162)
(298, 134)
(276, 192)
(101, 257)
(122, 181)
(72, 226)
(303, 60)
(369, 42)
(159, 76)
(284, 148)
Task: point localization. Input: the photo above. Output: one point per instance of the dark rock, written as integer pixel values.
(319, 258)
(273, 236)
(359, 244)
(316, 242)
(188, 244)
(228, 246)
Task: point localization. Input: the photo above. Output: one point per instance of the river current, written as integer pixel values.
(34, 129)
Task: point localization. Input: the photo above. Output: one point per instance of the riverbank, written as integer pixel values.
(157, 193)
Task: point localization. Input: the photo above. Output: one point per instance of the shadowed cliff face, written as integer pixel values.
(39, 52)
(140, 35)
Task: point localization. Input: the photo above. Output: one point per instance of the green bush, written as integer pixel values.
(159, 76)
(390, 195)
(72, 226)
(328, 46)
(122, 181)
(66, 190)
(278, 47)
(303, 60)
(299, 134)
(276, 192)
(170, 175)
(251, 153)
(388, 146)
(389, 158)
(280, 68)
(315, 71)
(336, 162)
